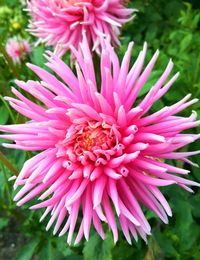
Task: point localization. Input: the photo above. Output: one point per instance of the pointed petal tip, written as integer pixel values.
(14, 177)
(55, 231)
(33, 207)
(28, 64)
(87, 237)
(169, 212)
(195, 100)
(69, 242)
(47, 228)
(61, 234)
(15, 198)
(130, 242)
(177, 74)
(166, 221)
(17, 81)
(131, 44)
(145, 45)
(40, 198)
(19, 204)
(102, 235)
(115, 241)
(15, 186)
(76, 242)
(41, 219)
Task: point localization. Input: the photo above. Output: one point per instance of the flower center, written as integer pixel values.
(22, 48)
(93, 137)
(86, 142)
(92, 141)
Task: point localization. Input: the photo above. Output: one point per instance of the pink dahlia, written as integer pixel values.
(60, 23)
(100, 154)
(17, 49)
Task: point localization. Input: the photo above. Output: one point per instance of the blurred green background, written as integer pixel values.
(172, 27)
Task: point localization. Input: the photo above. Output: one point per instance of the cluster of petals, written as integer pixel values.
(60, 23)
(17, 49)
(101, 155)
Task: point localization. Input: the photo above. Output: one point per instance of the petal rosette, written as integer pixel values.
(61, 23)
(101, 155)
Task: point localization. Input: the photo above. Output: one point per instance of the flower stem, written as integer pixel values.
(7, 188)
(9, 61)
(9, 165)
(8, 108)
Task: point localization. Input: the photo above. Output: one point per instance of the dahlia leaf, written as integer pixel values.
(38, 57)
(27, 252)
(98, 249)
(3, 222)
(3, 115)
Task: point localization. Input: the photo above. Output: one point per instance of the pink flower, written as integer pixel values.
(99, 155)
(17, 49)
(60, 23)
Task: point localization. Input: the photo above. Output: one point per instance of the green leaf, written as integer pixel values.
(63, 247)
(185, 42)
(3, 115)
(46, 252)
(98, 249)
(150, 215)
(28, 250)
(37, 56)
(166, 245)
(3, 222)
(196, 21)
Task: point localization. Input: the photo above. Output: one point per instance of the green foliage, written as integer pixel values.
(98, 249)
(173, 28)
(4, 115)
(12, 19)
(27, 251)
(3, 222)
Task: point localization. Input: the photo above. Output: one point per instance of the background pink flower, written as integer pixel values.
(17, 49)
(61, 23)
(100, 152)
